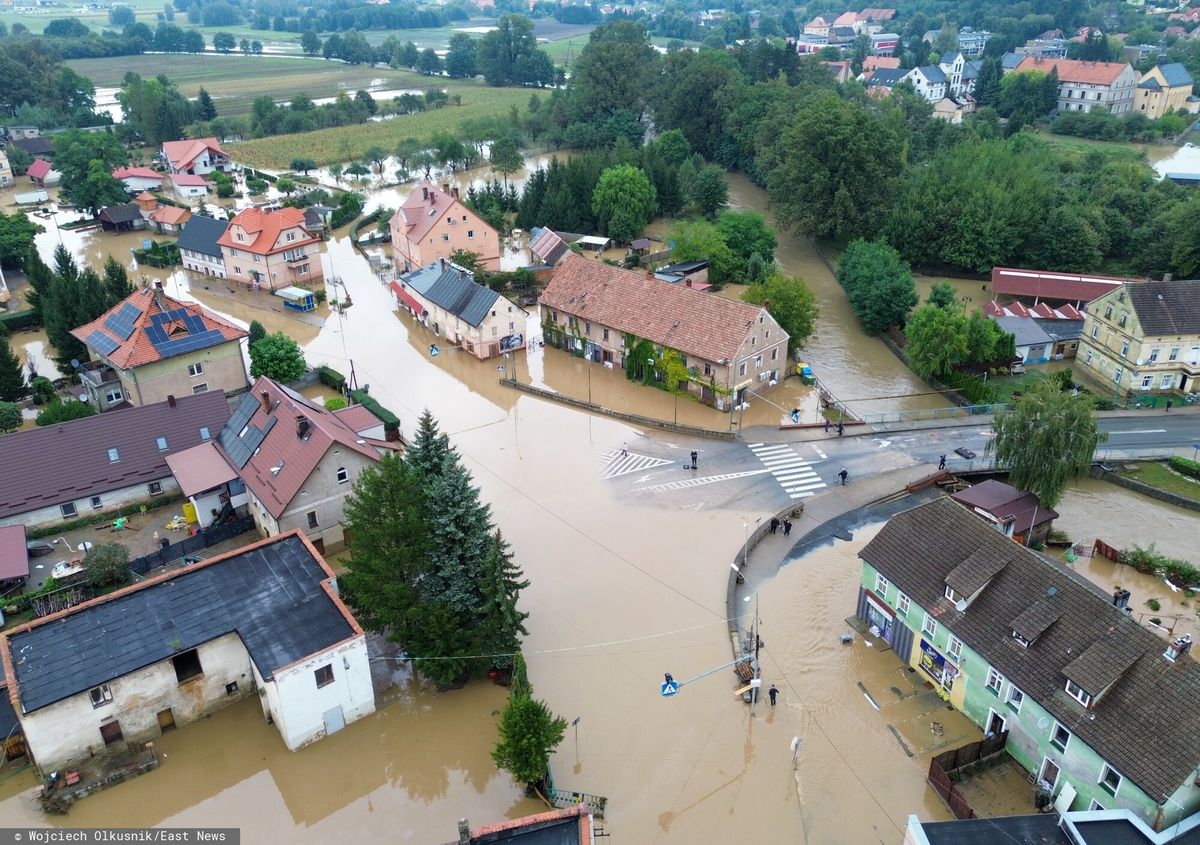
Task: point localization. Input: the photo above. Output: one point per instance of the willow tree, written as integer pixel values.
(1046, 439)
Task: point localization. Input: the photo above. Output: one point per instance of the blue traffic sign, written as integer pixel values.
(669, 689)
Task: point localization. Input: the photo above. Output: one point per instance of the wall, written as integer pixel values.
(69, 730)
(1101, 354)
(764, 338)
(113, 499)
(299, 704)
(446, 237)
(482, 340)
(208, 265)
(322, 493)
(224, 369)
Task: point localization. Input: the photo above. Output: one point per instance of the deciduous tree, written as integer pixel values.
(1046, 439)
(10, 417)
(107, 566)
(790, 301)
(624, 202)
(277, 357)
(878, 284)
(710, 191)
(937, 340)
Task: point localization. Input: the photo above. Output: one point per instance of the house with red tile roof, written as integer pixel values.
(149, 346)
(197, 156)
(433, 224)
(138, 179)
(567, 826)
(42, 174)
(291, 461)
(1035, 286)
(729, 348)
(271, 248)
(188, 187)
(1083, 86)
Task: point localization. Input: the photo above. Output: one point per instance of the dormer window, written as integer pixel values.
(953, 596)
(1024, 642)
(1077, 692)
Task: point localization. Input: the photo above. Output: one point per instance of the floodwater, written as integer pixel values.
(857, 368)
(1097, 510)
(1185, 159)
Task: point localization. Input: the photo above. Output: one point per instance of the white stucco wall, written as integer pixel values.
(321, 492)
(113, 499)
(69, 730)
(299, 705)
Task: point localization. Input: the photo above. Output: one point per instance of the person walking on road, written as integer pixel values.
(787, 527)
(624, 450)
(826, 425)
(1168, 406)
(774, 693)
(774, 524)
(695, 455)
(841, 429)
(843, 475)
(942, 462)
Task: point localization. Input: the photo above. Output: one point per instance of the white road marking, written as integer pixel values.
(616, 464)
(794, 474)
(883, 444)
(696, 482)
(820, 454)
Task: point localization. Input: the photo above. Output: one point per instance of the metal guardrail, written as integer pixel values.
(988, 463)
(950, 413)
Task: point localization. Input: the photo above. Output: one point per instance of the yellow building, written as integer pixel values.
(1142, 337)
(1163, 89)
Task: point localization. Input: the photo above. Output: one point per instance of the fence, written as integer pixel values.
(947, 763)
(189, 545)
(933, 413)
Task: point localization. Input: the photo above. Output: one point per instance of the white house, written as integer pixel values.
(188, 186)
(6, 174)
(264, 620)
(138, 179)
(198, 245)
(198, 156)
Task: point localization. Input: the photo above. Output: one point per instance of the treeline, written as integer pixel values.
(37, 89)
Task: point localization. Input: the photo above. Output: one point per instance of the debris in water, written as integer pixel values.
(936, 728)
(847, 638)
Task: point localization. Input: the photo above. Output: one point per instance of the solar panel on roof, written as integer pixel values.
(121, 323)
(189, 343)
(156, 335)
(194, 324)
(102, 343)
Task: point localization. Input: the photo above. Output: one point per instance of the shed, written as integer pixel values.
(32, 197)
(641, 246)
(14, 556)
(594, 242)
(297, 299)
(122, 218)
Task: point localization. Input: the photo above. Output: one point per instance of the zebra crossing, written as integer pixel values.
(794, 474)
(697, 482)
(613, 463)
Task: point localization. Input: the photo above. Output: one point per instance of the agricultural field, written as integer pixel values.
(348, 143)
(235, 80)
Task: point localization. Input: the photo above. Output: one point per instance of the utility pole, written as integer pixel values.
(757, 665)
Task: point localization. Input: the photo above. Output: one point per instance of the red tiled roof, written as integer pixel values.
(576, 820)
(846, 19)
(38, 169)
(14, 558)
(146, 196)
(264, 228)
(873, 13)
(136, 173)
(675, 316)
(358, 417)
(426, 205)
(1072, 70)
(1045, 284)
(182, 153)
(169, 214)
(187, 180)
(138, 349)
(876, 62)
(295, 457)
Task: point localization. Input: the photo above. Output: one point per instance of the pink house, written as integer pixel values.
(433, 224)
(271, 249)
(197, 157)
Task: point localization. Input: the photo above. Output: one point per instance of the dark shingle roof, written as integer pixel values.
(1146, 725)
(886, 77)
(1103, 662)
(933, 73)
(270, 594)
(1007, 830)
(1176, 74)
(124, 213)
(974, 572)
(200, 235)
(1035, 619)
(1167, 307)
(40, 145)
(452, 288)
(63, 463)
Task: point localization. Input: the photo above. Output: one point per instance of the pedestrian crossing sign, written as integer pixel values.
(669, 688)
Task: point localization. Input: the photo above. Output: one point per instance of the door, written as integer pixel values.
(1048, 773)
(335, 720)
(996, 724)
(166, 720)
(347, 537)
(318, 544)
(110, 732)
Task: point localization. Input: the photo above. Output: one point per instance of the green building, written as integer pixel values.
(1097, 707)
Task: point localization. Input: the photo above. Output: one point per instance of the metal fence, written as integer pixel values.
(988, 463)
(954, 412)
(189, 545)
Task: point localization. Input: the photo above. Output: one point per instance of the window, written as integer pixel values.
(742, 369)
(953, 596)
(187, 665)
(1174, 354)
(445, 238)
(342, 475)
(994, 681)
(604, 333)
(1124, 349)
(1015, 698)
(68, 510)
(324, 676)
(231, 688)
(161, 442)
(902, 603)
(955, 648)
(96, 503)
(495, 331)
(1079, 694)
(1154, 355)
(881, 585)
(587, 327)
(1117, 373)
(1146, 380)
(754, 341)
(767, 334)
(291, 236)
(758, 362)
(1096, 805)
(154, 487)
(1124, 319)
(1059, 737)
(708, 369)
(202, 387)
(114, 455)
(204, 433)
(775, 353)
(237, 269)
(312, 519)
(470, 233)
(929, 626)
(1024, 642)
(100, 695)
(1110, 781)
(1087, 358)
(1095, 330)
(1167, 381)
(114, 395)
(195, 369)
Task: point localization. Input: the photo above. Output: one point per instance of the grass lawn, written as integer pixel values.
(1005, 386)
(1086, 145)
(1157, 475)
(339, 144)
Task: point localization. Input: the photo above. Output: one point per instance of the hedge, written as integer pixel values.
(976, 390)
(391, 422)
(26, 319)
(1185, 466)
(103, 516)
(330, 377)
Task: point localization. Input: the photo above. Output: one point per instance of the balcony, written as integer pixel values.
(98, 374)
(295, 258)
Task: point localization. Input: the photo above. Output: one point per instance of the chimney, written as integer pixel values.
(462, 274)
(1167, 277)
(302, 425)
(264, 399)
(446, 188)
(443, 263)
(171, 401)
(1121, 599)
(464, 832)
(455, 193)
(158, 295)
(1178, 648)
(425, 192)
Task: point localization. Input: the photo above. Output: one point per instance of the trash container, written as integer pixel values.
(163, 542)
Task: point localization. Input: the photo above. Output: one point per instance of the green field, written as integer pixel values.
(339, 144)
(1157, 475)
(235, 80)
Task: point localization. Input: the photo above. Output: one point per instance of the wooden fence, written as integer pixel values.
(1103, 549)
(941, 767)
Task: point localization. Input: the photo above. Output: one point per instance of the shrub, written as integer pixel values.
(19, 320)
(391, 423)
(42, 389)
(335, 403)
(59, 411)
(330, 377)
(976, 390)
(1185, 466)
(1154, 604)
(1178, 572)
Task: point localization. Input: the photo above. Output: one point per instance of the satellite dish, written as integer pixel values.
(82, 397)
(1043, 723)
(960, 605)
(75, 363)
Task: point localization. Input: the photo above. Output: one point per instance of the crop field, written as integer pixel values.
(235, 80)
(347, 143)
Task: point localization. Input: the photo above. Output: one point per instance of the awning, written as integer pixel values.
(407, 299)
(200, 469)
(294, 294)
